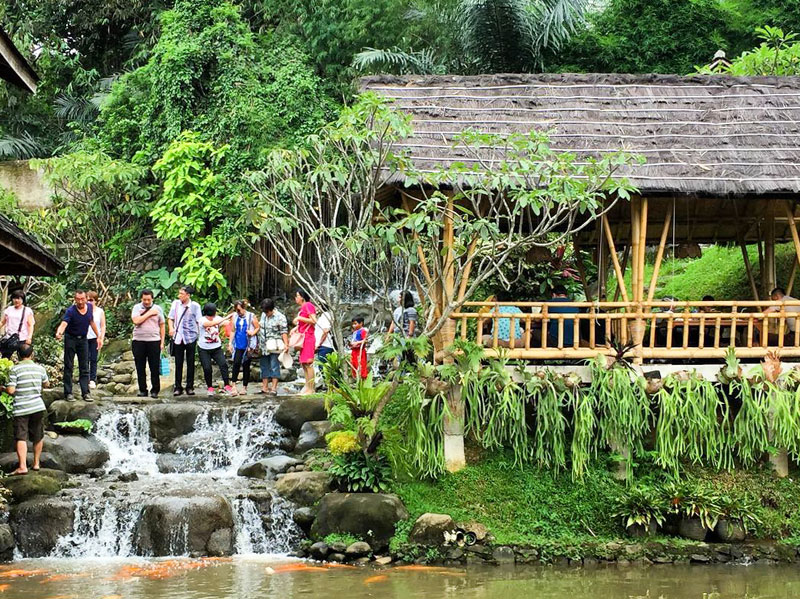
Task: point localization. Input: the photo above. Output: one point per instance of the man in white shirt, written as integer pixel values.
(779, 295)
(322, 334)
(184, 326)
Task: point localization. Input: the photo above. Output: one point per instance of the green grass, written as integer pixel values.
(719, 272)
(347, 539)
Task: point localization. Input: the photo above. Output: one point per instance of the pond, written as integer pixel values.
(266, 577)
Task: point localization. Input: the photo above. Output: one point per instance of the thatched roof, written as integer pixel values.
(21, 254)
(13, 66)
(715, 135)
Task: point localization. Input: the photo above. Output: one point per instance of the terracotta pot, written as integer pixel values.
(640, 530)
(692, 528)
(730, 531)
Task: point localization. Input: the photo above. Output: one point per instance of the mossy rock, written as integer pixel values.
(44, 482)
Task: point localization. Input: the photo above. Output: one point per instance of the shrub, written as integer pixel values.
(358, 473)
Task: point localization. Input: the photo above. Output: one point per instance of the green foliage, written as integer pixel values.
(640, 505)
(356, 472)
(6, 400)
(340, 442)
(778, 54)
(336, 537)
(78, 425)
(400, 537)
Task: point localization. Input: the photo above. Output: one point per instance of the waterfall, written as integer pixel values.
(127, 437)
(99, 530)
(253, 537)
(231, 439)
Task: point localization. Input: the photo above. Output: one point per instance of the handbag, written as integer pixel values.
(11, 343)
(253, 349)
(296, 339)
(275, 346)
(164, 366)
(171, 347)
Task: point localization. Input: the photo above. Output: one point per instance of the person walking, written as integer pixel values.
(17, 324)
(305, 321)
(322, 334)
(74, 327)
(243, 336)
(404, 321)
(99, 317)
(147, 342)
(184, 322)
(273, 339)
(25, 383)
(209, 346)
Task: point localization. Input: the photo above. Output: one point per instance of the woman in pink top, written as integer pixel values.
(18, 319)
(305, 321)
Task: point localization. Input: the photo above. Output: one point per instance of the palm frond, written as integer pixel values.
(22, 147)
(498, 33)
(396, 60)
(555, 21)
(73, 109)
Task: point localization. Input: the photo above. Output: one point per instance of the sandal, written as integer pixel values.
(18, 472)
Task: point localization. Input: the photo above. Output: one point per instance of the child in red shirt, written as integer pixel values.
(358, 348)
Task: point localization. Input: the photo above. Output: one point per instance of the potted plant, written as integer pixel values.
(736, 513)
(696, 508)
(641, 510)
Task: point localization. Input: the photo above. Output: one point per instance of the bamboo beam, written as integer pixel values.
(749, 269)
(634, 243)
(581, 270)
(612, 250)
(790, 284)
(642, 246)
(625, 256)
(659, 256)
(793, 228)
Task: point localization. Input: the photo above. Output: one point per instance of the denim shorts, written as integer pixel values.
(270, 367)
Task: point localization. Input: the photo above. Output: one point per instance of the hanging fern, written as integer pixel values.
(584, 424)
(750, 430)
(549, 447)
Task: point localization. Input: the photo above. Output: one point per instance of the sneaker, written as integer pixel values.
(154, 394)
(228, 390)
(69, 397)
(87, 398)
(141, 394)
(92, 385)
(212, 392)
(190, 392)
(177, 392)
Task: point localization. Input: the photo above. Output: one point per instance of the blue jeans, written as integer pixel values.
(270, 367)
(323, 353)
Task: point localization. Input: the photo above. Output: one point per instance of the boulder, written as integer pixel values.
(51, 395)
(175, 525)
(6, 543)
(169, 463)
(124, 367)
(368, 516)
(127, 356)
(123, 379)
(318, 550)
(268, 467)
(38, 524)
(168, 421)
(44, 482)
(192, 442)
(304, 518)
(10, 461)
(66, 411)
(312, 435)
(77, 453)
(358, 549)
(429, 529)
(304, 488)
(294, 412)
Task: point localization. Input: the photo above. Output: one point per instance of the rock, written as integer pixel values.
(319, 550)
(692, 528)
(51, 395)
(174, 525)
(312, 435)
(360, 561)
(294, 412)
(39, 523)
(66, 411)
(127, 356)
(336, 557)
(481, 532)
(699, 558)
(96, 473)
(169, 463)
(77, 453)
(429, 529)
(127, 477)
(123, 379)
(124, 367)
(358, 549)
(368, 516)
(304, 518)
(10, 461)
(383, 560)
(304, 488)
(168, 421)
(6, 543)
(220, 543)
(503, 555)
(730, 531)
(268, 467)
(191, 442)
(33, 484)
(109, 493)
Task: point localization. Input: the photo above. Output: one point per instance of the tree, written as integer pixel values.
(778, 54)
(487, 36)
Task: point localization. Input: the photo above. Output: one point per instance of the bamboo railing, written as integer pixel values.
(659, 329)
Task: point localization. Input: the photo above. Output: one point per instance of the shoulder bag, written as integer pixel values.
(11, 343)
(177, 325)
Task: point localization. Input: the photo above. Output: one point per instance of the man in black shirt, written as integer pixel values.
(73, 329)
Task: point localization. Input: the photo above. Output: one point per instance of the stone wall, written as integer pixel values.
(27, 184)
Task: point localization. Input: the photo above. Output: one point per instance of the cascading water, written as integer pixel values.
(127, 437)
(107, 515)
(228, 440)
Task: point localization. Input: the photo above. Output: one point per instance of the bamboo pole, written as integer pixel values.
(769, 256)
(581, 270)
(749, 268)
(793, 228)
(659, 256)
(792, 275)
(625, 256)
(642, 247)
(612, 250)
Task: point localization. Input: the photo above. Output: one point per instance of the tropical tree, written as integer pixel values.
(777, 54)
(474, 36)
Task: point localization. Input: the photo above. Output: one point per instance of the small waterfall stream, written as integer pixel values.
(107, 516)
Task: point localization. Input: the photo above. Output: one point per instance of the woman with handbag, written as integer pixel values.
(273, 338)
(305, 321)
(244, 327)
(18, 323)
(209, 346)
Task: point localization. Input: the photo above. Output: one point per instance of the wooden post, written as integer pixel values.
(612, 250)
(769, 256)
(659, 256)
(581, 270)
(750, 277)
(793, 228)
(792, 275)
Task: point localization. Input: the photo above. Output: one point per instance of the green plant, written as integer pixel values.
(335, 537)
(340, 442)
(750, 429)
(549, 395)
(640, 505)
(356, 472)
(693, 499)
(400, 537)
(79, 425)
(741, 507)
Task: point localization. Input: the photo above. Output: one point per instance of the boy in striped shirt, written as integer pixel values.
(25, 384)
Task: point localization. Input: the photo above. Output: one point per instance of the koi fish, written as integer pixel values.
(374, 579)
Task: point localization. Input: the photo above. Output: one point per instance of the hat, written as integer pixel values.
(285, 359)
